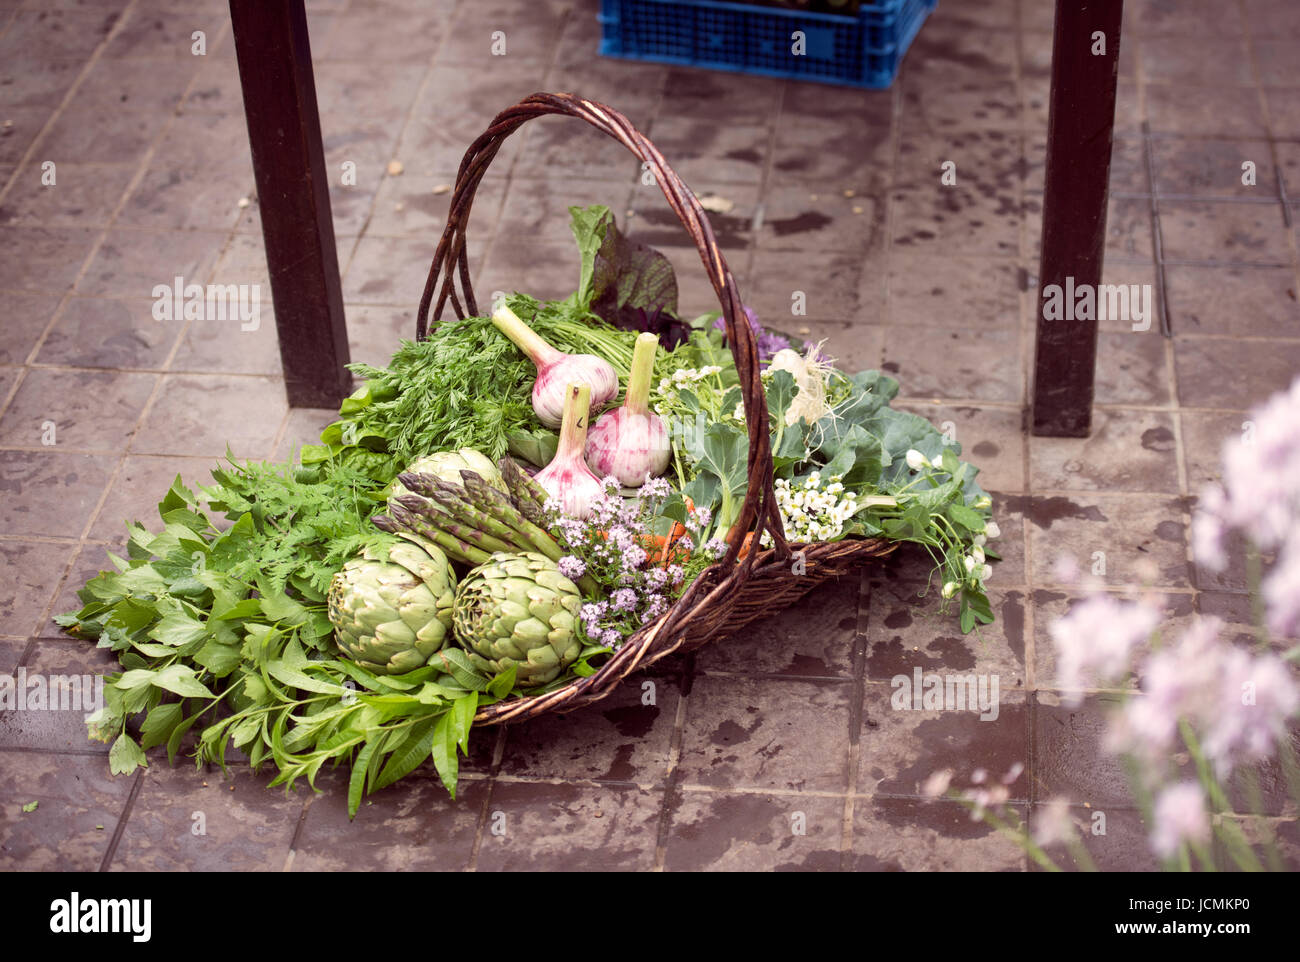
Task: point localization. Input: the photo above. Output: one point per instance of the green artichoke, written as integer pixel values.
(448, 465)
(517, 609)
(391, 606)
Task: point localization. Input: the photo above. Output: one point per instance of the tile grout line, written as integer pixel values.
(494, 770)
(120, 829)
(857, 707)
(672, 772)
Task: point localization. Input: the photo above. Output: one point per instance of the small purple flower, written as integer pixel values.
(686, 544)
(654, 488)
(625, 599)
(634, 557)
(572, 568)
(716, 547)
(655, 606)
(675, 574)
(611, 638)
(656, 578)
(593, 611)
(703, 516)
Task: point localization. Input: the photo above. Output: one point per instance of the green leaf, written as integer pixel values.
(180, 679)
(503, 683)
(457, 664)
(443, 752)
(280, 607)
(536, 446)
(357, 781)
(296, 678)
(968, 518)
(406, 758)
(218, 658)
(462, 718)
(160, 723)
(781, 390)
(125, 756)
(588, 225)
(177, 629)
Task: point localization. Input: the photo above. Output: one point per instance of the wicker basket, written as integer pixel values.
(734, 592)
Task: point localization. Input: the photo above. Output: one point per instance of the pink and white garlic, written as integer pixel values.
(567, 478)
(631, 442)
(556, 370)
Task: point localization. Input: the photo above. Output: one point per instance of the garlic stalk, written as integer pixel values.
(631, 442)
(567, 478)
(556, 370)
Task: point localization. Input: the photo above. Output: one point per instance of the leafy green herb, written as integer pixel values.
(223, 632)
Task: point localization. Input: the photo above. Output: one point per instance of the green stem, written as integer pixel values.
(524, 337)
(638, 381)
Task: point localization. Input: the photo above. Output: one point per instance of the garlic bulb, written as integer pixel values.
(567, 478)
(810, 378)
(631, 442)
(557, 370)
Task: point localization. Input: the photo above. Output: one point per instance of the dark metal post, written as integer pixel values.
(293, 193)
(1079, 136)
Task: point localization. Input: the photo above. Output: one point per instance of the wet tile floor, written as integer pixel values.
(778, 750)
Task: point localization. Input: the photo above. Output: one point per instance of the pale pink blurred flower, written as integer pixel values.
(1237, 702)
(983, 798)
(1013, 773)
(1208, 530)
(1065, 570)
(1281, 590)
(937, 783)
(1052, 823)
(1261, 471)
(1094, 642)
(1179, 817)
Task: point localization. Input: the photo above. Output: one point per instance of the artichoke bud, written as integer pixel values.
(391, 606)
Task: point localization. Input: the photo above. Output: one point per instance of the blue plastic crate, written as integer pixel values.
(858, 51)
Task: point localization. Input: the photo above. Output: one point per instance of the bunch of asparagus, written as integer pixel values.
(471, 520)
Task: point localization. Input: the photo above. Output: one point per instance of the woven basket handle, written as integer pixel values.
(451, 262)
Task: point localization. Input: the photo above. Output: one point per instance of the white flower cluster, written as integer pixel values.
(682, 377)
(812, 511)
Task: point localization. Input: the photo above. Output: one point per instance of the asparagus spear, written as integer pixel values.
(460, 543)
(498, 505)
(466, 512)
(529, 496)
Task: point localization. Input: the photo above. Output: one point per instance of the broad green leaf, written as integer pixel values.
(503, 683)
(296, 678)
(457, 664)
(280, 607)
(218, 658)
(180, 680)
(177, 629)
(160, 723)
(414, 749)
(125, 756)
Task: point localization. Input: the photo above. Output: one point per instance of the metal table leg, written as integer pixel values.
(1080, 128)
(293, 192)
